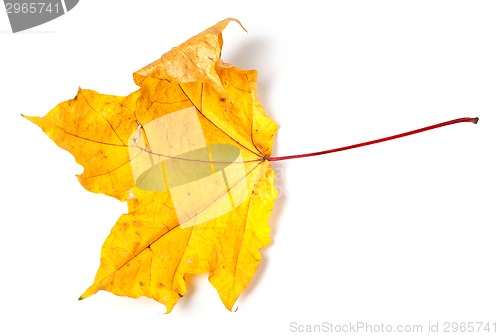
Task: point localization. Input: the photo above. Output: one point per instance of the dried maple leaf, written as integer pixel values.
(187, 151)
(190, 151)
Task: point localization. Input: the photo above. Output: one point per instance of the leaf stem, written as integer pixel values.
(446, 123)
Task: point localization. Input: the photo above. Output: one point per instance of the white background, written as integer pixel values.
(396, 233)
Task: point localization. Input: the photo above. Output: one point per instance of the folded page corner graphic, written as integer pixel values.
(25, 14)
(70, 4)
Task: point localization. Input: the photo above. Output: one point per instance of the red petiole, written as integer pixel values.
(428, 128)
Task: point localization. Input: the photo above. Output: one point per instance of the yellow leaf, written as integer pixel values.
(188, 152)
